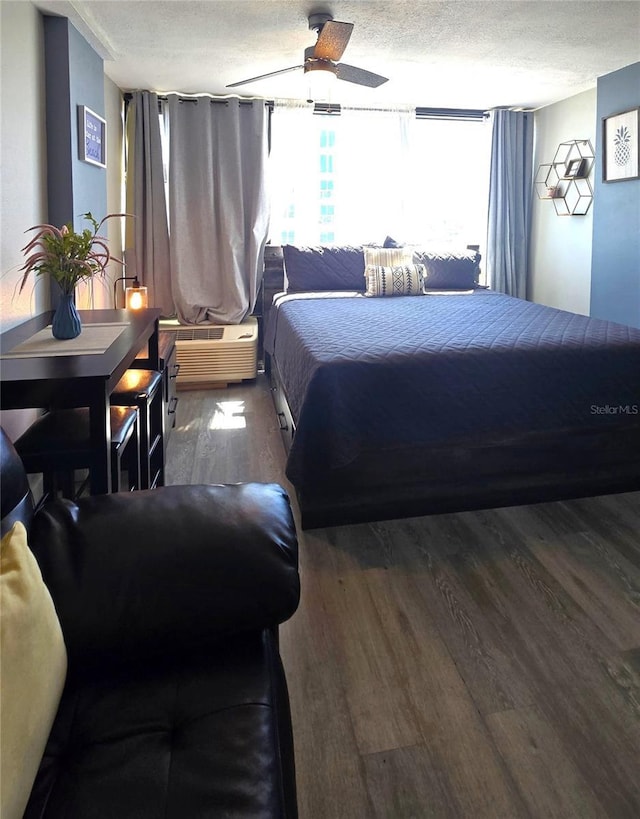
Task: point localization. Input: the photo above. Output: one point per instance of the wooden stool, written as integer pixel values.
(59, 442)
(143, 389)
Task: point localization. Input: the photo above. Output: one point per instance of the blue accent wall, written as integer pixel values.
(74, 76)
(615, 259)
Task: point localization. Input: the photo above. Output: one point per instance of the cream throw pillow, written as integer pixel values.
(387, 256)
(33, 666)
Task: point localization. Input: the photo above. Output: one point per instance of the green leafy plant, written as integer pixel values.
(69, 257)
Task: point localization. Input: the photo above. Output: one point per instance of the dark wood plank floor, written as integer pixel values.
(483, 665)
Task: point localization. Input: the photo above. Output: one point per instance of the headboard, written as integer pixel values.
(274, 276)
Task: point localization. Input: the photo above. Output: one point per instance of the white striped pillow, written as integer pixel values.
(387, 256)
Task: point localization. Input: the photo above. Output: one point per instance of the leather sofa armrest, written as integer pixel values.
(167, 572)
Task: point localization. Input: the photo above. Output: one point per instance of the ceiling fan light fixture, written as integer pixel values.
(321, 76)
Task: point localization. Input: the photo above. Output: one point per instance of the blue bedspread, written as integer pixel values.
(363, 374)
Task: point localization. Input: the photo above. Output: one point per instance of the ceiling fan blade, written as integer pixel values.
(264, 76)
(332, 40)
(359, 76)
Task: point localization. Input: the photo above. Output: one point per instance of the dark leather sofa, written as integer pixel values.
(175, 703)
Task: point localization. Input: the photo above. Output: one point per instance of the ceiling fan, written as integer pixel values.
(333, 37)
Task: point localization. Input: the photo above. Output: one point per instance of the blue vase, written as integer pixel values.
(66, 321)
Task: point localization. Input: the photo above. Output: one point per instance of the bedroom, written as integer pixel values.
(352, 739)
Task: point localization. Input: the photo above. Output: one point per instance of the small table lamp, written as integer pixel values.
(135, 297)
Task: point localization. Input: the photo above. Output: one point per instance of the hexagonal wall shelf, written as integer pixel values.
(566, 179)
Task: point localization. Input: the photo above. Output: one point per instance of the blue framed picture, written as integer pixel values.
(92, 137)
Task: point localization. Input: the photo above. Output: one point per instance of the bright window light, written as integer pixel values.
(355, 180)
(451, 162)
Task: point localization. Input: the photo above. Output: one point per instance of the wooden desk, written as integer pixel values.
(55, 382)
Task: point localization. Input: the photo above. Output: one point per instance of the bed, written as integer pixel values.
(452, 400)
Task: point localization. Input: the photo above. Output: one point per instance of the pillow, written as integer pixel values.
(405, 280)
(448, 271)
(323, 268)
(391, 242)
(388, 256)
(33, 666)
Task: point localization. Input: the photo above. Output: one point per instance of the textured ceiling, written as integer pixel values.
(454, 54)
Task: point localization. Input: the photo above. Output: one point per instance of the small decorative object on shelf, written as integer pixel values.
(575, 168)
(566, 179)
(68, 257)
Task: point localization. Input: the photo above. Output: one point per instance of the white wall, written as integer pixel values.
(114, 114)
(23, 155)
(23, 149)
(560, 258)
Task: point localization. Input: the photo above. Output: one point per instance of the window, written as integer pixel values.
(360, 176)
(451, 179)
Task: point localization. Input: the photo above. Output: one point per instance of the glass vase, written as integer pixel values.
(66, 321)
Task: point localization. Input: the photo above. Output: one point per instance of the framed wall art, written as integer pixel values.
(620, 157)
(92, 137)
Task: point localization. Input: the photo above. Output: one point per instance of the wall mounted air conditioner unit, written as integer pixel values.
(214, 355)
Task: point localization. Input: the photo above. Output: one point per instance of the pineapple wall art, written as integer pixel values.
(620, 140)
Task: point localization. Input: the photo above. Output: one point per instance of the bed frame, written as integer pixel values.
(485, 477)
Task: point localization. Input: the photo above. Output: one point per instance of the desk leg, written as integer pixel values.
(154, 347)
(100, 429)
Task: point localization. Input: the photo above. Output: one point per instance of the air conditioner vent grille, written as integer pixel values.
(199, 333)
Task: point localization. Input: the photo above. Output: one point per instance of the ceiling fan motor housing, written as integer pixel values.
(316, 21)
(312, 63)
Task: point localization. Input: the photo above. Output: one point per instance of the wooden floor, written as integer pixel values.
(483, 665)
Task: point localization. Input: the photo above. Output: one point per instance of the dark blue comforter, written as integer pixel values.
(365, 374)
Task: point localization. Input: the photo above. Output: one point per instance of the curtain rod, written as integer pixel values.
(128, 96)
(334, 109)
(469, 114)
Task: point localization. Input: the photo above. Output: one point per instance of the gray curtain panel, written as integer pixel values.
(510, 191)
(218, 206)
(147, 236)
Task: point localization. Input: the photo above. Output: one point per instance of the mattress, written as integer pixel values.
(370, 377)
